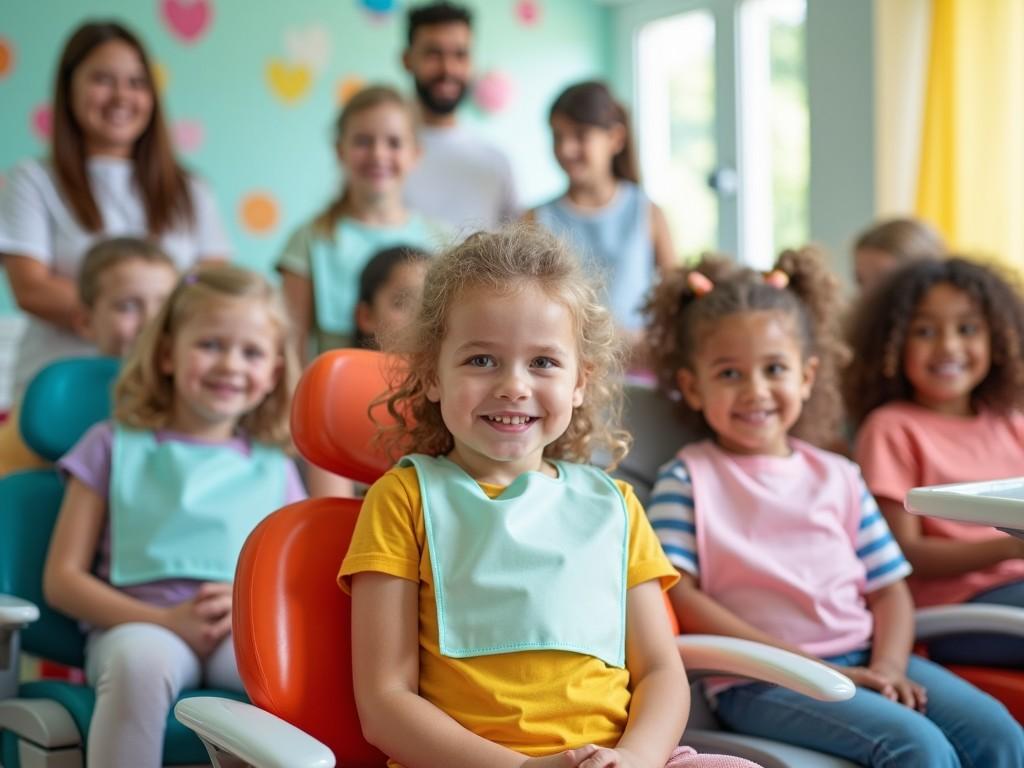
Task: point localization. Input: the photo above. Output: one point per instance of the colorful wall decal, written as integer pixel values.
(493, 92)
(6, 58)
(348, 87)
(310, 46)
(258, 213)
(188, 135)
(42, 122)
(379, 6)
(528, 12)
(187, 20)
(289, 83)
(161, 77)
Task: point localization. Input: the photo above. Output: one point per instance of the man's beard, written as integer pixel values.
(434, 104)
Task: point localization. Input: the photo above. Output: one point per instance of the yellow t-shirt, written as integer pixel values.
(534, 702)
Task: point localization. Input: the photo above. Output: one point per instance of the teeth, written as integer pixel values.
(509, 419)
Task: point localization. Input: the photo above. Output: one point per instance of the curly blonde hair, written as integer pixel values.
(504, 262)
(144, 394)
(679, 318)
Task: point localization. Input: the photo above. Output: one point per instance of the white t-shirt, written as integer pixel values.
(37, 223)
(461, 180)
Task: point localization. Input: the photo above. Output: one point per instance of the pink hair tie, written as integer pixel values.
(777, 279)
(699, 283)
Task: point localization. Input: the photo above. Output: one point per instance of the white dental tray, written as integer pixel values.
(999, 503)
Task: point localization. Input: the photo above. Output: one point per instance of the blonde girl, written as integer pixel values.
(604, 212)
(375, 143)
(160, 499)
(935, 391)
(506, 597)
(890, 244)
(779, 542)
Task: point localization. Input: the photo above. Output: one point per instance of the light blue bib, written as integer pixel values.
(617, 239)
(183, 510)
(338, 264)
(540, 567)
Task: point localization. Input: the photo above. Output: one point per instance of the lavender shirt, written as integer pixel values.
(89, 463)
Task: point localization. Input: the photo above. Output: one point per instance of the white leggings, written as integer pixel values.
(138, 670)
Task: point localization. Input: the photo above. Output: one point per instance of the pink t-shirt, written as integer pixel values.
(903, 445)
(789, 543)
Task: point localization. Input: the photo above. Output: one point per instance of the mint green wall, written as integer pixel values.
(255, 142)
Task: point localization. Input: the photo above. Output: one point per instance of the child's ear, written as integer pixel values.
(686, 380)
(434, 391)
(581, 388)
(618, 136)
(365, 321)
(809, 373)
(81, 322)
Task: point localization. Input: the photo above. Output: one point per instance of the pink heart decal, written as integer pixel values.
(493, 92)
(42, 122)
(188, 135)
(528, 12)
(187, 19)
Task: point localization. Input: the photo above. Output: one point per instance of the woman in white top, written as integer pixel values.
(111, 172)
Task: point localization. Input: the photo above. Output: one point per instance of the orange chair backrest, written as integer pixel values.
(291, 623)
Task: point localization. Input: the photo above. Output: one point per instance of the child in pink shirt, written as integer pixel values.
(780, 542)
(935, 388)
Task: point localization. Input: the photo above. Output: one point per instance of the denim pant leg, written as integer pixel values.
(985, 649)
(868, 729)
(978, 726)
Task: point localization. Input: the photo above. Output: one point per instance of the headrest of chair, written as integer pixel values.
(64, 400)
(331, 423)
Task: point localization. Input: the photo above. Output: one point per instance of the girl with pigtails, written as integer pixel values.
(779, 541)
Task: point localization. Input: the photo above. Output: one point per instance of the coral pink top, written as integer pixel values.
(903, 445)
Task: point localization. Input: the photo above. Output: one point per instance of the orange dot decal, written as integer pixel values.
(161, 77)
(6, 58)
(347, 88)
(258, 213)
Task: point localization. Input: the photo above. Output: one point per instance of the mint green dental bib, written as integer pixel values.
(338, 263)
(183, 510)
(540, 567)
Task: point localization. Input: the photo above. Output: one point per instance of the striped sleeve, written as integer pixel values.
(877, 549)
(670, 510)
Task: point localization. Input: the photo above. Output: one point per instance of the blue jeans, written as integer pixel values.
(961, 725)
(987, 650)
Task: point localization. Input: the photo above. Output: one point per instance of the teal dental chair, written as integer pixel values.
(44, 724)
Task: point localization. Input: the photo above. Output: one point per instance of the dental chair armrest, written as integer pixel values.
(16, 613)
(955, 619)
(250, 734)
(706, 655)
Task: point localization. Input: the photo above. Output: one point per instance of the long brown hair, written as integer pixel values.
(163, 184)
(591, 103)
(368, 98)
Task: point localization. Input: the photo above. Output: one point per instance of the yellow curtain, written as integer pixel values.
(971, 180)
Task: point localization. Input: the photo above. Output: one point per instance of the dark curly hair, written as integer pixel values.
(878, 327)
(679, 318)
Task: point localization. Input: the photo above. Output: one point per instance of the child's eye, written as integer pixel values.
(728, 374)
(481, 361)
(544, 362)
(969, 329)
(254, 353)
(776, 369)
(125, 306)
(210, 345)
(922, 332)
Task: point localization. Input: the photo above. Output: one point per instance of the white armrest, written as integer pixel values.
(16, 613)
(955, 619)
(254, 735)
(704, 654)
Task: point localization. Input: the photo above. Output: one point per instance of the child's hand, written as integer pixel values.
(890, 682)
(590, 756)
(205, 620)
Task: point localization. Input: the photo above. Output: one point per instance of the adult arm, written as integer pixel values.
(664, 252)
(934, 556)
(40, 292)
(298, 296)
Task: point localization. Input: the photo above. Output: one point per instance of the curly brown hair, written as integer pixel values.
(144, 394)
(505, 261)
(678, 319)
(878, 328)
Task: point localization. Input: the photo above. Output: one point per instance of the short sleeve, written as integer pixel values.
(296, 257)
(25, 226)
(671, 512)
(887, 456)
(385, 540)
(211, 236)
(646, 560)
(509, 204)
(877, 549)
(89, 460)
